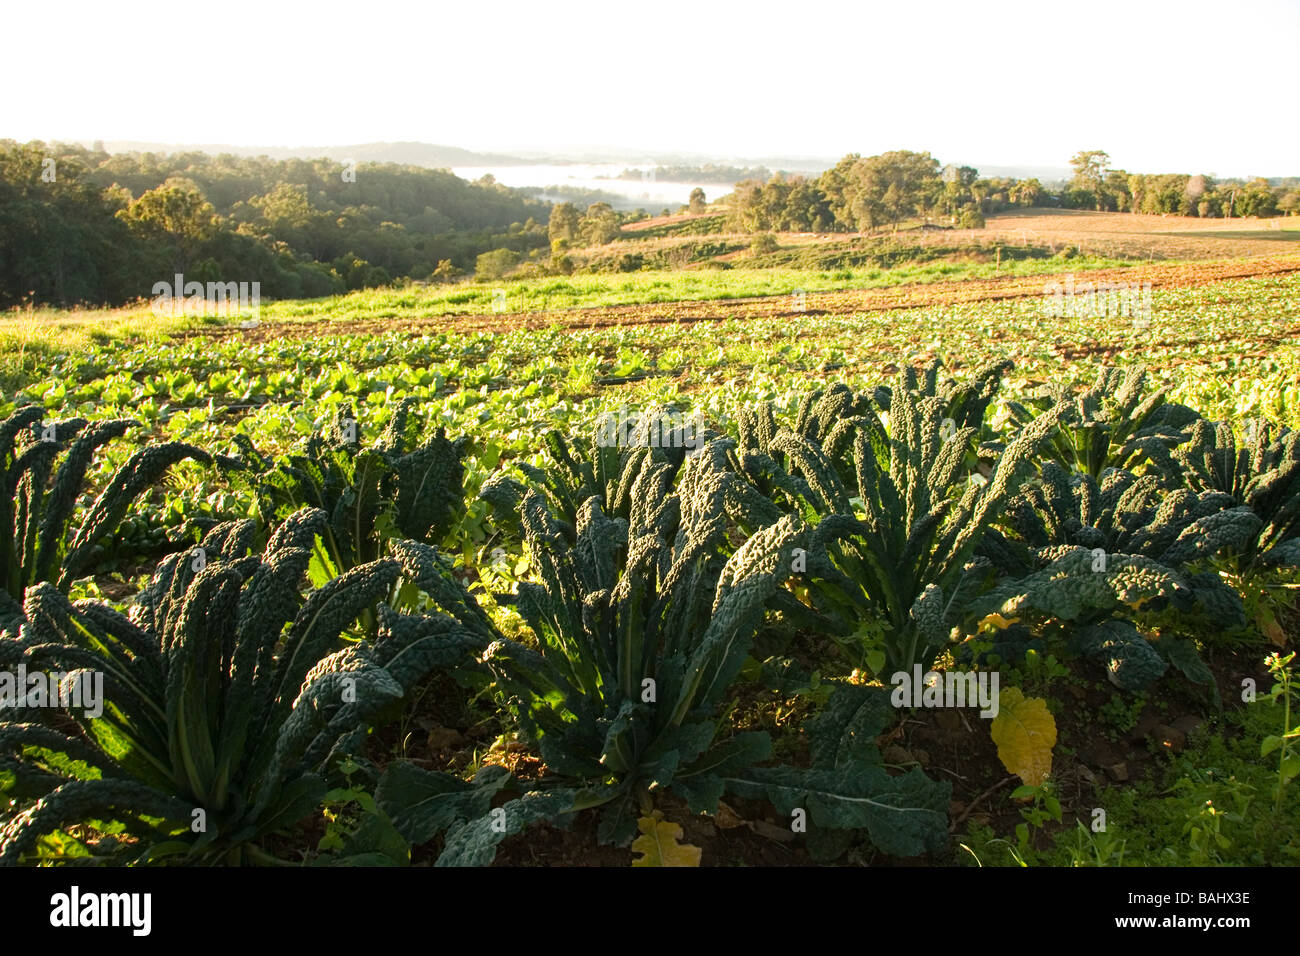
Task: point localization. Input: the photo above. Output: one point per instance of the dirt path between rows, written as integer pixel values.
(846, 302)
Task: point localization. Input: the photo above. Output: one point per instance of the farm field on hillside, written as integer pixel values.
(802, 299)
(581, 586)
(501, 302)
(1124, 236)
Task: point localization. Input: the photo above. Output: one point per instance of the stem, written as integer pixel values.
(1285, 676)
(257, 855)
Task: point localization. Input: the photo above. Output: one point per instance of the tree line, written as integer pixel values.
(703, 173)
(862, 194)
(80, 225)
(1096, 186)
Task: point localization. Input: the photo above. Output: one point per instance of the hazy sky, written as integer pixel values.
(1162, 86)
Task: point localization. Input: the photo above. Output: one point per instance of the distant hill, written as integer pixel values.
(431, 156)
(426, 155)
(649, 156)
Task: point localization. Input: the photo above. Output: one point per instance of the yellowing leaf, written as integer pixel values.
(998, 621)
(1025, 733)
(658, 844)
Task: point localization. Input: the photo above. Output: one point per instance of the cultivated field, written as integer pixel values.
(1125, 235)
(810, 497)
(1113, 235)
(1025, 293)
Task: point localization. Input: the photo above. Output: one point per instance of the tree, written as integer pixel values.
(864, 193)
(600, 224)
(176, 212)
(837, 185)
(495, 264)
(1256, 199)
(747, 207)
(1136, 189)
(697, 203)
(898, 184)
(895, 203)
(1090, 168)
(1027, 192)
(1115, 195)
(60, 239)
(445, 272)
(286, 209)
(805, 208)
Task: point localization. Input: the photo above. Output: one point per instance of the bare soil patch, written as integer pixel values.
(1129, 236)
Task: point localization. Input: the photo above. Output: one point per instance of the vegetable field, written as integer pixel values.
(841, 578)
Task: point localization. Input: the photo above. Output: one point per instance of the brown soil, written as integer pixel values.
(948, 745)
(1161, 276)
(667, 220)
(1123, 235)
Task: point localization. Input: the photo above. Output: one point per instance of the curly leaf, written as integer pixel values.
(422, 803)
(904, 815)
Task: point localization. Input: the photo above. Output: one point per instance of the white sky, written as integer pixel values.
(1162, 86)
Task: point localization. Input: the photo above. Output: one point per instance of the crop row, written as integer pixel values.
(604, 595)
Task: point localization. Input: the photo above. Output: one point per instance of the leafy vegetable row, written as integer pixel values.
(901, 522)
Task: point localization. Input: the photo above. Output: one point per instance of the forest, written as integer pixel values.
(79, 226)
